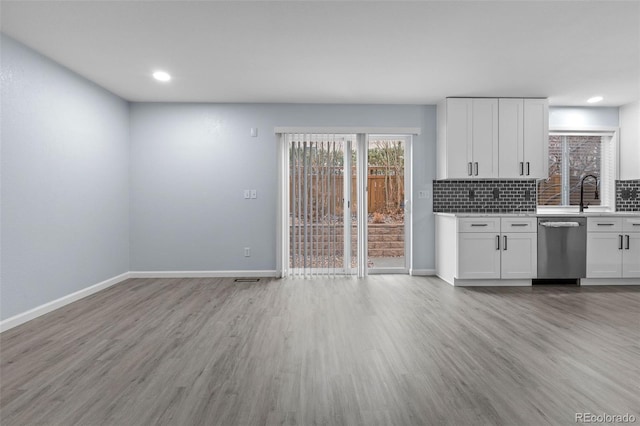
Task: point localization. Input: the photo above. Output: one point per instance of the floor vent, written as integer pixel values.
(246, 280)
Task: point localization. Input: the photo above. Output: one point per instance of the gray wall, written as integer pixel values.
(65, 177)
(191, 162)
(583, 116)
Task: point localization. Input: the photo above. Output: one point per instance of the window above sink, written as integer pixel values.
(574, 154)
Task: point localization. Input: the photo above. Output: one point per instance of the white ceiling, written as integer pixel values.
(341, 52)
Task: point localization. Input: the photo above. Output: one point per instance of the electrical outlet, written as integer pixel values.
(254, 193)
(247, 252)
(247, 194)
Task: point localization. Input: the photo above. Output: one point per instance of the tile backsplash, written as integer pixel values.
(628, 195)
(484, 196)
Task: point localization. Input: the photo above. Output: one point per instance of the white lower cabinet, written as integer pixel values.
(604, 256)
(478, 255)
(494, 250)
(631, 256)
(519, 255)
(613, 248)
(489, 252)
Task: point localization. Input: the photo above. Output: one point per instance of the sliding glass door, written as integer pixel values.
(335, 190)
(322, 212)
(388, 202)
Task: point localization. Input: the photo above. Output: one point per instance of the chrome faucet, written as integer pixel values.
(596, 195)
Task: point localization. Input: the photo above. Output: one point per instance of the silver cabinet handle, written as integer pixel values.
(505, 243)
(521, 168)
(620, 242)
(469, 169)
(628, 240)
(527, 168)
(497, 242)
(476, 165)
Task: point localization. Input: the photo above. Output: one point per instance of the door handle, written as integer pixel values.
(497, 242)
(628, 241)
(527, 168)
(521, 168)
(505, 243)
(476, 165)
(469, 169)
(619, 242)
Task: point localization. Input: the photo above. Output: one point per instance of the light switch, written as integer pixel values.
(247, 194)
(254, 132)
(254, 193)
(424, 194)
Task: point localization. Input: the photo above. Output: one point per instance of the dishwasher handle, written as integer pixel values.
(550, 224)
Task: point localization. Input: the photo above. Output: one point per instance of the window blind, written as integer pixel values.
(319, 204)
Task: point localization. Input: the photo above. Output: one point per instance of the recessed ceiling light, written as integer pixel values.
(161, 76)
(595, 99)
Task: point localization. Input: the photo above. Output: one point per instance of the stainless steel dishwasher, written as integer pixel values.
(562, 247)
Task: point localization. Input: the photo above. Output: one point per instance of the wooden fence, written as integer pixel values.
(385, 192)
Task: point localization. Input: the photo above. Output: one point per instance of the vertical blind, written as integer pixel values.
(319, 204)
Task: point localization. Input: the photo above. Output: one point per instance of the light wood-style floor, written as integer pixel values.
(386, 350)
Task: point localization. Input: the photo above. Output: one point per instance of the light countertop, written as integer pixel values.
(542, 214)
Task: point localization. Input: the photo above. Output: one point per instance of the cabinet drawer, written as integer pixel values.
(604, 224)
(481, 224)
(631, 224)
(519, 224)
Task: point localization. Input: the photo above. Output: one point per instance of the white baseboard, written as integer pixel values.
(422, 272)
(610, 281)
(204, 274)
(58, 303)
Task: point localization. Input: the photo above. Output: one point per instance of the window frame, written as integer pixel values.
(613, 176)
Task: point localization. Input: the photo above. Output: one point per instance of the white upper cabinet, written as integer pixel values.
(468, 138)
(458, 125)
(536, 138)
(524, 138)
(511, 137)
(491, 138)
(485, 138)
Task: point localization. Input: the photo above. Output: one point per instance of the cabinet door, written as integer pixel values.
(478, 255)
(519, 255)
(604, 256)
(511, 138)
(631, 256)
(458, 144)
(485, 138)
(536, 138)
